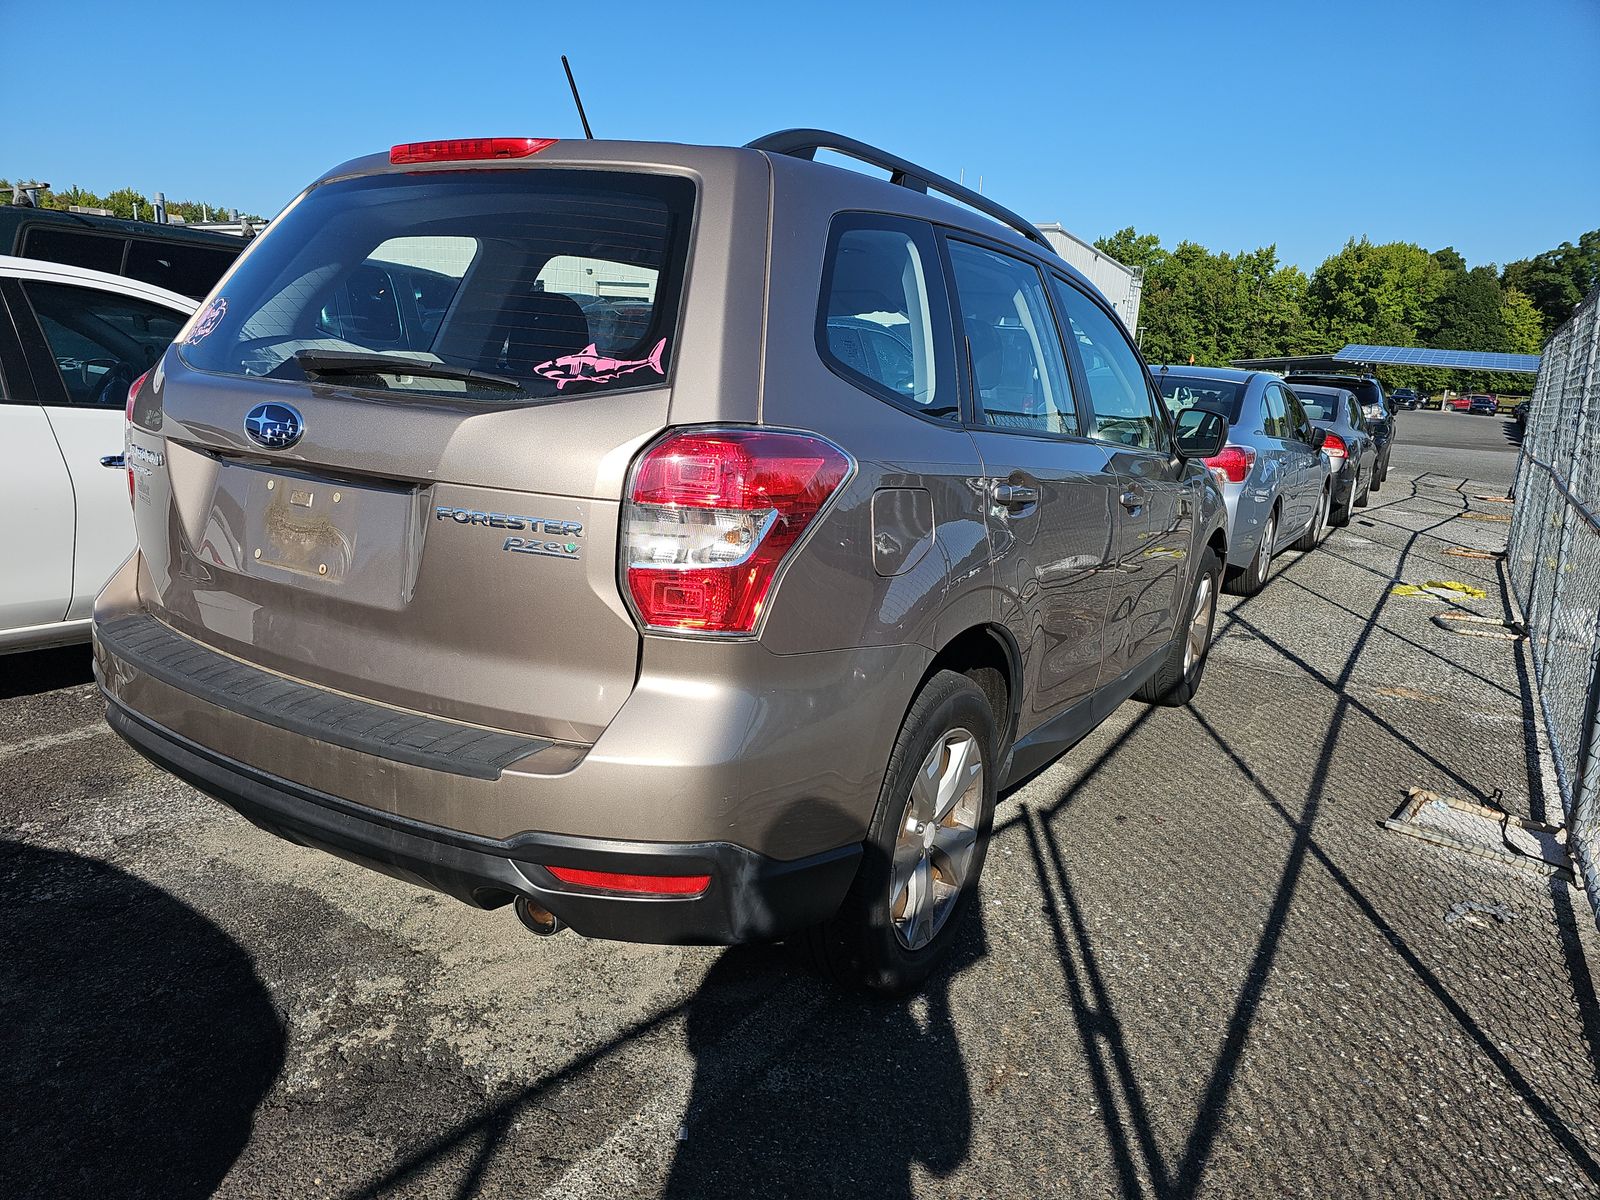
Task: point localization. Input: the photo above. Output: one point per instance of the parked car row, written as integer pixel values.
(1302, 453)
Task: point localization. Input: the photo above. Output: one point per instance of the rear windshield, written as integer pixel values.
(1320, 406)
(478, 285)
(1223, 396)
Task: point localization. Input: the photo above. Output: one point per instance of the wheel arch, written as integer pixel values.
(988, 655)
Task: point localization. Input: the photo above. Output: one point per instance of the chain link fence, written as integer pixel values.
(1554, 563)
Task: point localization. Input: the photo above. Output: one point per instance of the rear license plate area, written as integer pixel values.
(320, 535)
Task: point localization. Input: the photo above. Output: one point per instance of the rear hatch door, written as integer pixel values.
(388, 455)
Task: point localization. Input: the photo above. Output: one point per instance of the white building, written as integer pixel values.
(1120, 285)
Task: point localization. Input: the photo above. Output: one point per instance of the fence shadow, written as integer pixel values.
(137, 1038)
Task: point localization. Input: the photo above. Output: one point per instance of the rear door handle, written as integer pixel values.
(1132, 501)
(115, 461)
(1014, 495)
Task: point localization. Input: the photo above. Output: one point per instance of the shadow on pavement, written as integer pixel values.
(852, 1097)
(137, 1038)
(45, 671)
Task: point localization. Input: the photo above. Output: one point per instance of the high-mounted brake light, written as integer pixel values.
(711, 515)
(127, 428)
(639, 885)
(1232, 463)
(463, 149)
(1333, 446)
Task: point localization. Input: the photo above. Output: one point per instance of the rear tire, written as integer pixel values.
(878, 939)
(1254, 577)
(1179, 677)
(1348, 508)
(1318, 529)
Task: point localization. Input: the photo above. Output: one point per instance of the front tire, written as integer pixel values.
(1179, 677)
(925, 847)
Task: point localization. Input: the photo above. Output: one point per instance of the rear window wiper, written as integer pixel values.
(356, 362)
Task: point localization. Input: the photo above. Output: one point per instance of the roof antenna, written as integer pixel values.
(576, 99)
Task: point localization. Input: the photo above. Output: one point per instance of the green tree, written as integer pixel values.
(1466, 313)
(1374, 294)
(1557, 280)
(1524, 327)
(1133, 249)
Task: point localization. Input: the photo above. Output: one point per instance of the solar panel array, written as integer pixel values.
(1417, 356)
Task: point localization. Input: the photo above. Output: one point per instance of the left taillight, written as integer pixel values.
(1333, 446)
(127, 429)
(710, 516)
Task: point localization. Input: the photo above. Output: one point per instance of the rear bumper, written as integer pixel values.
(750, 897)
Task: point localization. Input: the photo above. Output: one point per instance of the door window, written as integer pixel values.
(1275, 421)
(1019, 370)
(1299, 423)
(178, 266)
(101, 342)
(876, 325)
(1124, 409)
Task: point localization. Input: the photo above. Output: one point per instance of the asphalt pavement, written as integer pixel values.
(1201, 965)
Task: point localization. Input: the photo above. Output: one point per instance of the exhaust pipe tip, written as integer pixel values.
(537, 918)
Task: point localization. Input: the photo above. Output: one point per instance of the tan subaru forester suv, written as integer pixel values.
(684, 544)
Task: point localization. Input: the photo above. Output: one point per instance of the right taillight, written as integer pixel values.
(709, 517)
(1333, 446)
(127, 429)
(1232, 463)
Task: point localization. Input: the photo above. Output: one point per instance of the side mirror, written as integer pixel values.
(1318, 436)
(1201, 433)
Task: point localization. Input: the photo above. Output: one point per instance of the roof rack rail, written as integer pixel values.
(804, 143)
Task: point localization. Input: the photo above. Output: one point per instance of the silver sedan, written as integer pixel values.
(1276, 481)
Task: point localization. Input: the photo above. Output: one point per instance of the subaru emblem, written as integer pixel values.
(275, 426)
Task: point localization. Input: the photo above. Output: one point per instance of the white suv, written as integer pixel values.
(71, 342)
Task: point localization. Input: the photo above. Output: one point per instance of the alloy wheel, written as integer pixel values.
(1205, 606)
(1269, 535)
(938, 836)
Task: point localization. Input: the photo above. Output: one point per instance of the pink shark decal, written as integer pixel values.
(590, 366)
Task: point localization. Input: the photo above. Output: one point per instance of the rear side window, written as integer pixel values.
(188, 270)
(1275, 413)
(1019, 370)
(883, 322)
(1123, 410)
(480, 285)
(101, 342)
(97, 251)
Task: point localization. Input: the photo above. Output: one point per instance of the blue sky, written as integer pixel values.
(1458, 123)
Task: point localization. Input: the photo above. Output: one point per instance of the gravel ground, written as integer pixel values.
(1202, 966)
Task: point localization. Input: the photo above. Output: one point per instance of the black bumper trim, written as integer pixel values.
(149, 646)
(751, 897)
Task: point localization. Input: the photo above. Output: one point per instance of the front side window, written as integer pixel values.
(1019, 370)
(877, 325)
(1123, 411)
(101, 342)
(477, 285)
